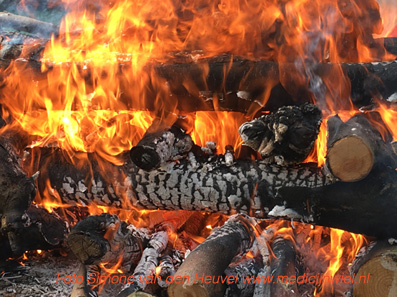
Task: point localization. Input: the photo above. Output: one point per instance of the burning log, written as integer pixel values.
(287, 135)
(243, 270)
(199, 273)
(283, 268)
(145, 271)
(105, 238)
(238, 84)
(40, 230)
(301, 192)
(17, 190)
(354, 147)
(156, 148)
(374, 273)
(83, 288)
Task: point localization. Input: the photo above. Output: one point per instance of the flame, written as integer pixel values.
(389, 117)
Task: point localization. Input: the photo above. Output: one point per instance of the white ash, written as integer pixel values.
(244, 95)
(282, 211)
(393, 98)
(229, 159)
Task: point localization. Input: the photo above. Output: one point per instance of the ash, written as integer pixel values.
(39, 276)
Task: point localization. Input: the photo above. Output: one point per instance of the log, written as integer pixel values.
(283, 269)
(104, 238)
(13, 22)
(237, 84)
(262, 190)
(243, 270)
(210, 259)
(287, 134)
(40, 230)
(354, 147)
(83, 288)
(157, 148)
(18, 191)
(147, 265)
(375, 273)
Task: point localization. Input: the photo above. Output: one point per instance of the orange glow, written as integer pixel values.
(389, 117)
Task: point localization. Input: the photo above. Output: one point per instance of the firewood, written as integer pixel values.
(238, 84)
(287, 134)
(262, 190)
(354, 147)
(40, 230)
(283, 269)
(17, 190)
(145, 271)
(156, 148)
(198, 274)
(374, 273)
(243, 270)
(82, 287)
(12, 22)
(105, 238)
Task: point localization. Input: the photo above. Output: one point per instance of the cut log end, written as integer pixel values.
(350, 159)
(378, 276)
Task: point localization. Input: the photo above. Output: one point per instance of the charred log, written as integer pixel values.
(283, 269)
(156, 148)
(246, 269)
(146, 267)
(287, 134)
(238, 84)
(17, 190)
(104, 238)
(354, 147)
(260, 189)
(210, 259)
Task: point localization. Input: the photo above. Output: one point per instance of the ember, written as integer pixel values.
(198, 148)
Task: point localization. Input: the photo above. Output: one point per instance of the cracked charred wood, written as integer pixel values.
(283, 269)
(17, 190)
(145, 271)
(210, 259)
(159, 147)
(209, 185)
(374, 271)
(354, 147)
(40, 230)
(286, 135)
(105, 238)
(246, 269)
(254, 187)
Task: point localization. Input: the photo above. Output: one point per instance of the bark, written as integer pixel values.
(159, 147)
(354, 147)
(254, 187)
(248, 86)
(242, 270)
(147, 264)
(17, 190)
(12, 22)
(211, 258)
(105, 238)
(287, 135)
(375, 272)
(283, 265)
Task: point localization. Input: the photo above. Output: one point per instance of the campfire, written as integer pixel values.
(198, 148)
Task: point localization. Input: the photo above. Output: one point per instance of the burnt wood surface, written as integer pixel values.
(287, 134)
(254, 187)
(243, 85)
(211, 258)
